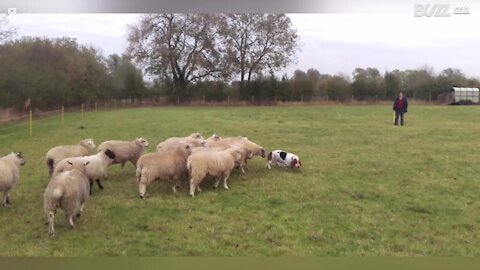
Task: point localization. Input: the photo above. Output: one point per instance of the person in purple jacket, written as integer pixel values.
(400, 106)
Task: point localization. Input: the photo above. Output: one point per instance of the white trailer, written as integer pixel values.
(464, 95)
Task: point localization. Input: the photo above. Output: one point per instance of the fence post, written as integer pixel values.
(252, 100)
(178, 100)
(376, 98)
(228, 100)
(31, 123)
(82, 110)
(63, 113)
(302, 98)
(327, 98)
(96, 107)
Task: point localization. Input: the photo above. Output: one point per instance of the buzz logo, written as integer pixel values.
(428, 10)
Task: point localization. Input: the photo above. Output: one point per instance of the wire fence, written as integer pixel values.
(13, 123)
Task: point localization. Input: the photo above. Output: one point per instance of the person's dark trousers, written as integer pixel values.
(396, 118)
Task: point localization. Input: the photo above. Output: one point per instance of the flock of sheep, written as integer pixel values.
(75, 168)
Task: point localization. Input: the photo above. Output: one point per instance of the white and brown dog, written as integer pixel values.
(283, 159)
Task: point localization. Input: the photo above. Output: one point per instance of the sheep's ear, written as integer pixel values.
(69, 162)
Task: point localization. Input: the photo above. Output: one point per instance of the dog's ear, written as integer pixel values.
(293, 163)
(300, 163)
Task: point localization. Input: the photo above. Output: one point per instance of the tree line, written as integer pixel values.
(192, 56)
(53, 72)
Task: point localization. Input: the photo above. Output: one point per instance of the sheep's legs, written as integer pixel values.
(70, 222)
(6, 198)
(192, 188)
(51, 217)
(99, 185)
(134, 162)
(91, 185)
(81, 210)
(225, 181)
(241, 168)
(142, 188)
(217, 181)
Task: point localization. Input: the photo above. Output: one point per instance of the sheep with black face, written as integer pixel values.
(125, 150)
(97, 168)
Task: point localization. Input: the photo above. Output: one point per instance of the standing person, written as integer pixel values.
(400, 106)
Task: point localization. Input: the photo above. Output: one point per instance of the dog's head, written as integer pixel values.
(295, 164)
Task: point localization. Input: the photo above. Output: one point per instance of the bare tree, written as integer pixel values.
(6, 30)
(180, 48)
(256, 42)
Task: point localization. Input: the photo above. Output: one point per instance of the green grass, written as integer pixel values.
(365, 188)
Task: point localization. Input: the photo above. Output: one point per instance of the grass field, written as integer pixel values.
(366, 188)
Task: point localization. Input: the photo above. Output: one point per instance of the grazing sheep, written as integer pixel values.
(244, 152)
(168, 164)
(249, 148)
(10, 174)
(195, 140)
(96, 169)
(54, 155)
(68, 190)
(217, 164)
(125, 150)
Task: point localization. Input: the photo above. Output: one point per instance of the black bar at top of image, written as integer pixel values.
(206, 6)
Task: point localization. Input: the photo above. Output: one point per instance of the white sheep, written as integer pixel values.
(195, 140)
(166, 164)
(125, 150)
(96, 169)
(248, 148)
(244, 152)
(196, 136)
(256, 149)
(218, 164)
(54, 155)
(69, 191)
(10, 174)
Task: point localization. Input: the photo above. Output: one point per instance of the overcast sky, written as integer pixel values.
(330, 43)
